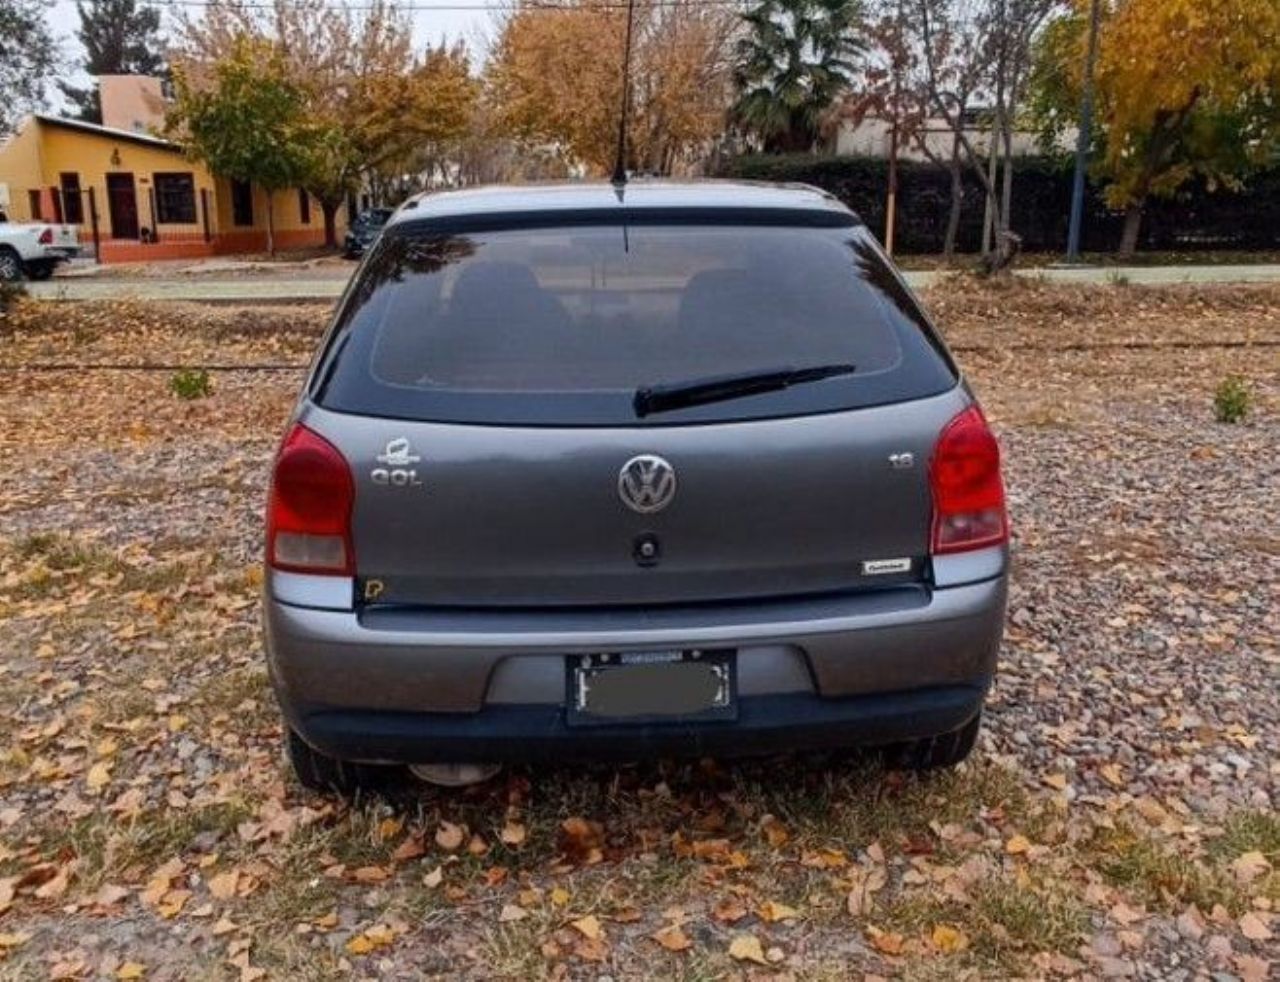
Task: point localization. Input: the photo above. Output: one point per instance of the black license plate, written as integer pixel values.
(652, 687)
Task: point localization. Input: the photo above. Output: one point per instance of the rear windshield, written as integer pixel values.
(561, 325)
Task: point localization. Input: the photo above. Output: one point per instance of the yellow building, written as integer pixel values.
(139, 197)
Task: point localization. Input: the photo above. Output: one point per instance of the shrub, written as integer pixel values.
(1202, 216)
(1231, 400)
(191, 384)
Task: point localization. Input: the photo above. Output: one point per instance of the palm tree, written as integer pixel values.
(797, 59)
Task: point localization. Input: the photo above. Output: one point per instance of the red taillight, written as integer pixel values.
(968, 495)
(309, 512)
(46, 237)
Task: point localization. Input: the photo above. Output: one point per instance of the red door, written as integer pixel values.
(122, 203)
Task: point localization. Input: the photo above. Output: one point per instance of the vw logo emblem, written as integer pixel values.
(646, 484)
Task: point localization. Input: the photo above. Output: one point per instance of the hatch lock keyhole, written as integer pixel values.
(647, 549)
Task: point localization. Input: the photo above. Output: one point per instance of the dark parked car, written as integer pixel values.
(364, 230)
(584, 474)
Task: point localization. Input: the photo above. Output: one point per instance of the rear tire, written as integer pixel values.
(935, 752)
(320, 772)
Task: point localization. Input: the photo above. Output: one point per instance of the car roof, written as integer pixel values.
(636, 195)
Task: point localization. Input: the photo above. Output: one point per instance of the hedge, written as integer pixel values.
(1199, 218)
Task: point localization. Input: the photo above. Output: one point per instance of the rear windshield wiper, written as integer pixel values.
(697, 392)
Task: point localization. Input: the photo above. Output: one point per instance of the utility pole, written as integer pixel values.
(891, 207)
(1085, 135)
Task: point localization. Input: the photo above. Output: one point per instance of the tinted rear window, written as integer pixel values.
(561, 325)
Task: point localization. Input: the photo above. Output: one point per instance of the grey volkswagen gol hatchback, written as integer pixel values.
(590, 473)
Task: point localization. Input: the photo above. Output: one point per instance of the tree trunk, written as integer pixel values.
(1132, 227)
(1006, 192)
(989, 213)
(957, 203)
(330, 209)
(271, 223)
(957, 198)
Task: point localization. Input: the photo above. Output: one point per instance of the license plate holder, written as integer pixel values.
(639, 687)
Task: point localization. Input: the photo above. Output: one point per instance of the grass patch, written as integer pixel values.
(225, 693)
(1003, 921)
(107, 848)
(1159, 877)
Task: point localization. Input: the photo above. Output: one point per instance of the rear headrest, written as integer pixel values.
(483, 283)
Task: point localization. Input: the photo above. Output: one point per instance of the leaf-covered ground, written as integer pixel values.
(1119, 818)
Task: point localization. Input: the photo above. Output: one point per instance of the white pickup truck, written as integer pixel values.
(35, 248)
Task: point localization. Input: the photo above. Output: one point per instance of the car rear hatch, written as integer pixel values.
(481, 387)
(471, 515)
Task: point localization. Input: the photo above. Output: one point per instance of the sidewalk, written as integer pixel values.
(327, 288)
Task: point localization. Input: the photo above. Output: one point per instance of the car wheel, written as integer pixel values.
(936, 752)
(10, 266)
(320, 772)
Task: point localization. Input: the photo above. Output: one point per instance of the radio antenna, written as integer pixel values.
(620, 162)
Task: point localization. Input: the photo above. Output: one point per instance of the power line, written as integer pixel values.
(412, 7)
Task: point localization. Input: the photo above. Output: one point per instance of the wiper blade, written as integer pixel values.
(651, 399)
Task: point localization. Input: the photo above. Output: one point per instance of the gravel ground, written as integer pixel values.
(1129, 761)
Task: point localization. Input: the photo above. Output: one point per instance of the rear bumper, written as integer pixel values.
(538, 733)
(489, 685)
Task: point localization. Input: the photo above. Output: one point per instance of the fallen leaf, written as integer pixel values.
(1057, 781)
(775, 832)
(513, 834)
(771, 911)
(746, 948)
(581, 841)
(588, 927)
(672, 938)
(866, 883)
(1018, 845)
(99, 776)
(434, 878)
(948, 939)
(590, 950)
(359, 945)
(408, 850)
(1112, 775)
(223, 886)
(729, 910)
(1248, 866)
(1253, 927)
(450, 837)
(131, 970)
(888, 942)
(55, 887)
(510, 912)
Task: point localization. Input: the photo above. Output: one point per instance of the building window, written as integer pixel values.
(241, 202)
(175, 199)
(304, 206)
(72, 206)
(33, 205)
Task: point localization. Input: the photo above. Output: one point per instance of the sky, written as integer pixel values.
(429, 26)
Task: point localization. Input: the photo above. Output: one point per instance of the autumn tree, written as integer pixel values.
(796, 61)
(555, 80)
(929, 64)
(1183, 88)
(248, 122)
(28, 57)
(120, 37)
(373, 105)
